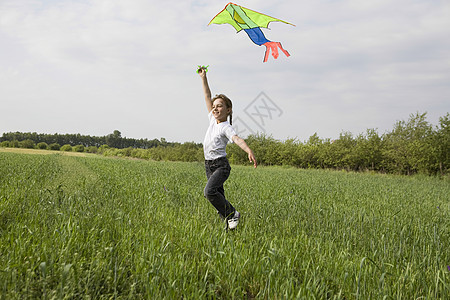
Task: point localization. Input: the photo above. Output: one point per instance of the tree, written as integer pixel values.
(441, 142)
(287, 152)
(368, 151)
(343, 151)
(409, 147)
(309, 153)
(114, 140)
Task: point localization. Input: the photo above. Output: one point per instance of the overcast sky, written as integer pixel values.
(91, 67)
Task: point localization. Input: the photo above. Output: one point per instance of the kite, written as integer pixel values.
(250, 21)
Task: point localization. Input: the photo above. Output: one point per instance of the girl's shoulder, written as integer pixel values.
(211, 117)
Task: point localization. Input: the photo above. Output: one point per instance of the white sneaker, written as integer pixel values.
(234, 221)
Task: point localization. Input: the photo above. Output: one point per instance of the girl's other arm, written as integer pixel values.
(241, 143)
(206, 90)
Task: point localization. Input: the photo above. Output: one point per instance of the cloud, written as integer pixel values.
(130, 65)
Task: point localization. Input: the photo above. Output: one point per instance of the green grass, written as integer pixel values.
(101, 228)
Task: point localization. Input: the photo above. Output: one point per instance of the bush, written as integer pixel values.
(14, 144)
(29, 144)
(66, 148)
(102, 149)
(91, 149)
(78, 148)
(54, 146)
(4, 144)
(42, 145)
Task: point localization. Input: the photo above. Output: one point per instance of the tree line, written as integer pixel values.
(114, 140)
(413, 146)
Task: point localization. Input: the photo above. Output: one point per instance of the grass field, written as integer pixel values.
(101, 228)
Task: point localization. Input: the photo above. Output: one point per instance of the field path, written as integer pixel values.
(42, 152)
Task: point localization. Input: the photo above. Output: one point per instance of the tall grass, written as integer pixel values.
(101, 228)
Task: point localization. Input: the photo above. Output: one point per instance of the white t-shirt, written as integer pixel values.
(216, 138)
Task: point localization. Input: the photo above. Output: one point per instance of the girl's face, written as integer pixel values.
(220, 110)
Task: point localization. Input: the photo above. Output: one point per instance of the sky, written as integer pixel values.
(92, 67)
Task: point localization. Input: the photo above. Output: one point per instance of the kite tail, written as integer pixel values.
(257, 36)
(274, 47)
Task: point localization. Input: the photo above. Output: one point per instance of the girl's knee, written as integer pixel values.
(208, 192)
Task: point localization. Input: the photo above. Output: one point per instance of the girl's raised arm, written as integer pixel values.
(206, 90)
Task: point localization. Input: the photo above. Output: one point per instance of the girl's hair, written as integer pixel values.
(228, 103)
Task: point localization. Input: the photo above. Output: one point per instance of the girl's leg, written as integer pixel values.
(214, 190)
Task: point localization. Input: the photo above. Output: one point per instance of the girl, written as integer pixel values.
(217, 136)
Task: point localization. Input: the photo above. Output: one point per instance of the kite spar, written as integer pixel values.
(250, 21)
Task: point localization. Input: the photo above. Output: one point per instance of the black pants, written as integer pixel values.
(217, 171)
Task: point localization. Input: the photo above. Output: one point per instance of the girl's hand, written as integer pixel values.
(202, 72)
(252, 159)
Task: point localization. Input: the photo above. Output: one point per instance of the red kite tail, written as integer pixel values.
(274, 47)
